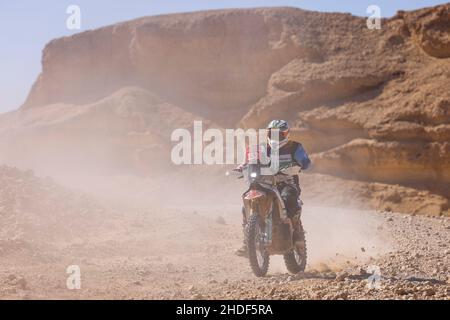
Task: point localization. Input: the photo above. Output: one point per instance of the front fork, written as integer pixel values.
(266, 237)
(244, 217)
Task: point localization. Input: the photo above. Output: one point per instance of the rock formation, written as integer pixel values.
(372, 106)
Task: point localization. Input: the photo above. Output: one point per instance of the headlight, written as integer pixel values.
(253, 175)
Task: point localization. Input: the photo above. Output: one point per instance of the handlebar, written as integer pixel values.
(239, 172)
(235, 172)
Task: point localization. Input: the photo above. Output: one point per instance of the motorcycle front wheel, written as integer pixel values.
(258, 256)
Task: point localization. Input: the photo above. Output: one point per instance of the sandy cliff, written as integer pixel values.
(372, 106)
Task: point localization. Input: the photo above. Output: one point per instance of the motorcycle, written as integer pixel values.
(269, 231)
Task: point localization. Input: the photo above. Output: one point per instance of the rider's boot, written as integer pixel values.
(298, 227)
(242, 251)
(297, 222)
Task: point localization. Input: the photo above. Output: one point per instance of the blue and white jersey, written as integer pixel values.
(291, 155)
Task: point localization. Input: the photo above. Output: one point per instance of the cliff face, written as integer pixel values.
(217, 60)
(371, 105)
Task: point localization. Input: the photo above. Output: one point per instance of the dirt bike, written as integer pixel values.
(269, 231)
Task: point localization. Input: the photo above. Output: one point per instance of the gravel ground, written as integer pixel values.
(416, 268)
(129, 252)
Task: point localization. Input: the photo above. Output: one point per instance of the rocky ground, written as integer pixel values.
(416, 268)
(142, 252)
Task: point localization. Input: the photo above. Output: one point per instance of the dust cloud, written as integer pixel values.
(336, 237)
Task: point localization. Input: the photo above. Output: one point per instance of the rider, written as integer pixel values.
(291, 154)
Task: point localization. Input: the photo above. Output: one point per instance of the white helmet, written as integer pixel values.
(283, 133)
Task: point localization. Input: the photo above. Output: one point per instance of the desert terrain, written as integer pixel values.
(86, 176)
(136, 250)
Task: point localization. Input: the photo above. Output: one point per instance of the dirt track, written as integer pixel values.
(188, 254)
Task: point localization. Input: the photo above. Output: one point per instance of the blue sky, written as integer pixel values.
(27, 25)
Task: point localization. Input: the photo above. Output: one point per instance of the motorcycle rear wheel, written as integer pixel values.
(295, 260)
(258, 257)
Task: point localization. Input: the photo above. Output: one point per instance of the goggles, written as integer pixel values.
(281, 134)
